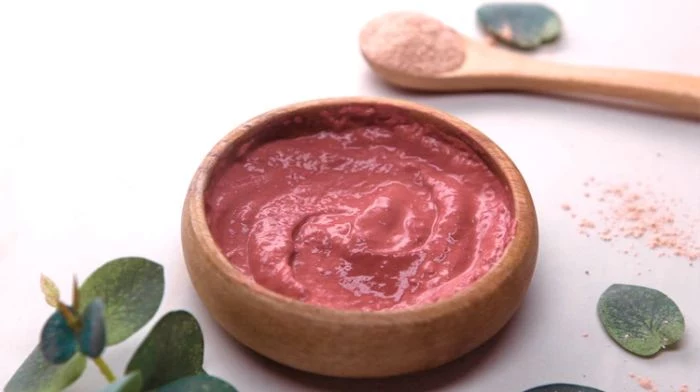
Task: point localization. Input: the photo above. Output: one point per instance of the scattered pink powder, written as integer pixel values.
(634, 212)
(649, 385)
(644, 383)
(412, 43)
(586, 224)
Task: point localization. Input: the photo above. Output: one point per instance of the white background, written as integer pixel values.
(106, 109)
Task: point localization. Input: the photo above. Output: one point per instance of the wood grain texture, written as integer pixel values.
(489, 68)
(352, 343)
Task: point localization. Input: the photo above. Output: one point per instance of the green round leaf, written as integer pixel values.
(198, 383)
(563, 388)
(640, 319)
(131, 289)
(92, 335)
(520, 25)
(132, 382)
(36, 374)
(58, 342)
(172, 350)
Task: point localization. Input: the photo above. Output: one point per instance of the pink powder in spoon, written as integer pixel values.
(412, 43)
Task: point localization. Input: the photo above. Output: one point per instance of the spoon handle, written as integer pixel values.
(675, 92)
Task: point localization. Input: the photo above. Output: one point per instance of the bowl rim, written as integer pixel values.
(513, 255)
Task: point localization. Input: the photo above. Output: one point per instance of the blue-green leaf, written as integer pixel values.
(36, 374)
(58, 343)
(563, 388)
(131, 289)
(640, 319)
(198, 383)
(92, 334)
(131, 382)
(520, 25)
(172, 350)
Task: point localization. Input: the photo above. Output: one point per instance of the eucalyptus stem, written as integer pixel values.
(104, 369)
(73, 322)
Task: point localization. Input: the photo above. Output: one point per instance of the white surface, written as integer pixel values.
(106, 109)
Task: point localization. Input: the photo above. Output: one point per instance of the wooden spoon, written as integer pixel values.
(488, 68)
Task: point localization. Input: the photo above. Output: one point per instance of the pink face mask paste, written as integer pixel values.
(359, 208)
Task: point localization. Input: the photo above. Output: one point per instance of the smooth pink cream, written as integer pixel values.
(375, 211)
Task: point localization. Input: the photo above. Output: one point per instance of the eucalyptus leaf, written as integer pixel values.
(36, 374)
(58, 343)
(642, 320)
(92, 335)
(131, 289)
(563, 388)
(132, 382)
(50, 290)
(201, 382)
(172, 350)
(520, 25)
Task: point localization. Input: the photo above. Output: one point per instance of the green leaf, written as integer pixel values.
(172, 350)
(58, 343)
(50, 290)
(131, 382)
(197, 383)
(563, 388)
(520, 25)
(92, 335)
(641, 320)
(131, 289)
(36, 374)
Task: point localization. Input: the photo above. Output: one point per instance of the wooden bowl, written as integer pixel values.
(348, 343)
